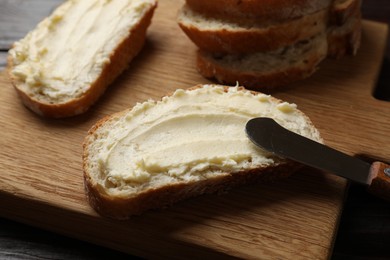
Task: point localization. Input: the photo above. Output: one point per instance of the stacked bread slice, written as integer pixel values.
(344, 29)
(266, 44)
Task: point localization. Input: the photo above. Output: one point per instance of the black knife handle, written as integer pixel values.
(379, 180)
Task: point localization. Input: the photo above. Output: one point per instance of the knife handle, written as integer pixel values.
(379, 180)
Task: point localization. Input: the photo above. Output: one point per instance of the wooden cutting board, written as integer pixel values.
(41, 170)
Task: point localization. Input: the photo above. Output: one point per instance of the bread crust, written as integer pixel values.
(122, 207)
(255, 39)
(119, 60)
(262, 11)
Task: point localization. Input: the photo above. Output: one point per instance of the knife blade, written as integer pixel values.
(272, 137)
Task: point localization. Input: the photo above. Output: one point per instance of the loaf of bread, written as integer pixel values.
(268, 44)
(64, 65)
(187, 144)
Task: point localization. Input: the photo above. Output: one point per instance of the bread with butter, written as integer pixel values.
(65, 64)
(187, 144)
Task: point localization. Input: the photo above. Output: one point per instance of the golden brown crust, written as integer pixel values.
(123, 208)
(120, 207)
(256, 39)
(262, 11)
(119, 60)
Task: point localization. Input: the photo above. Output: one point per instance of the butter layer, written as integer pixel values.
(189, 136)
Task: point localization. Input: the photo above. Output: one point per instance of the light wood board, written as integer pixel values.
(41, 170)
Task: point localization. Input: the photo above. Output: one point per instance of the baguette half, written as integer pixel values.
(187, 144)
(66, 63)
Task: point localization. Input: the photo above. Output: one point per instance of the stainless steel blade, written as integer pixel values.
(269, 135)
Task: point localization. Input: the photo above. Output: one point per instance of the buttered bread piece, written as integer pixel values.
(184, 145)
(62, 67)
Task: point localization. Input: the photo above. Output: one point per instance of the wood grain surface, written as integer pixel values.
(40, 161)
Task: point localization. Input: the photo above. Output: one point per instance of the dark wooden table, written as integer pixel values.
(364, 231)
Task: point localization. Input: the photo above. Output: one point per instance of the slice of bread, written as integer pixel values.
(65, 64)
(187, 144)
(345, 39)
(262, 11)
(244, 36)
(265, 70)
(342, 10)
